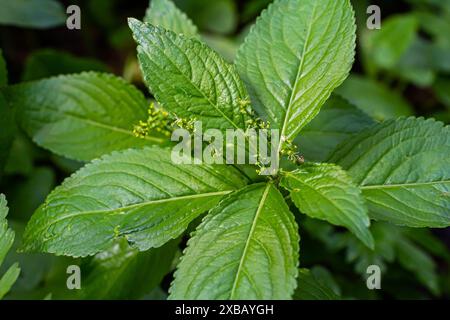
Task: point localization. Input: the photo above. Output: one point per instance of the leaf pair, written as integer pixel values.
(294, 57)
(290, 71)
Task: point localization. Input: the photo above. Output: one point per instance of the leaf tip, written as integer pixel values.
(134, 23)
(369, 241)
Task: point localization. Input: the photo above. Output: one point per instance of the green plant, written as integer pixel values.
(247, 244)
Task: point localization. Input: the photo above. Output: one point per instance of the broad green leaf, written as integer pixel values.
(140, 195)
(402, 167)
(298, 52)
(122, 272)
(164, 14)
(245, 248)
(387, 45)
(188, 78)
(374, 98)
(218, 16)
(3, 71)
(309, 287)
(81, 116)
(7, 131)
(48, 62)
(336, 122)
(325, 191)
(6, 241)
(40, 14)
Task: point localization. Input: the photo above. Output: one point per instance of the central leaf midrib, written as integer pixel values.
(247, 243)
(108, 127)
(132, 206)
(297, 77)
(115, 129)
(398, 185)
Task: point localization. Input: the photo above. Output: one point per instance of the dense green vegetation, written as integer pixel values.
(87, 179)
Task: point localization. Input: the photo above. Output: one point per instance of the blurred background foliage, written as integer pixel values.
(402, 69)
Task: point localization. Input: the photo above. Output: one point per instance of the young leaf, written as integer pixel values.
(298, 52)
(325, 191)
(375, 99)
(336, 122)
(164, 14)
(402, 167)
(246, 248)
(311, 288)
(154, 201)
(188, 78)
(6, 241)
(81, 116)
(125, 273)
